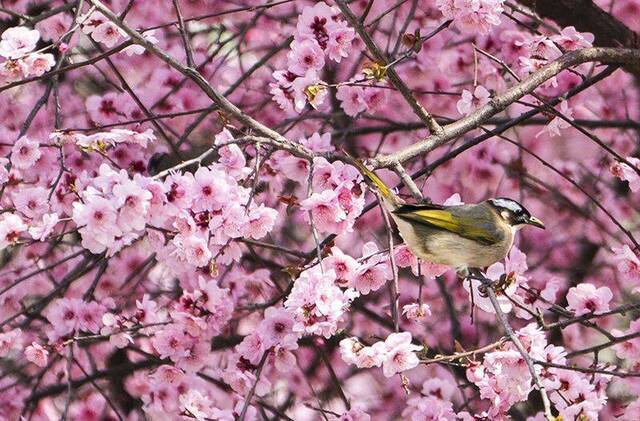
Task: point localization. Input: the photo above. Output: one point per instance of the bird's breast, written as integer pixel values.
(447, 248)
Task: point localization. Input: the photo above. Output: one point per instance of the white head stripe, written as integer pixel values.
(512, 205)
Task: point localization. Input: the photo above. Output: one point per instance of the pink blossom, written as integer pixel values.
(369, 277)
(282, 90)
(374, 98)
(400, 354)
(627, 173)
(252, 347)
(295, 168)
(470, 15)
(209, 190)
(9, 341)
(39, 64)
(89, 316)
(232, 158)
(431, 270)
(98, 221)
(283, 360)
(193, 249)
(354, 352)
(314, 21)
(37, 354)
(439, 388)
(416, 311)
(137, 49)
(11, 226)
(340, 41)
(570, 39)
(105, 109)
(53, 28)
(91, 22)
(430, 408)
(373, 273)
(64, 315)
(557, 123)
(471, 102)
(628, 264)
(171, 342)
(327, 214)
(305, 55)
(586, 298)
(629, 349)
(107, 33)
(31, 202)
(308, 89)
(261, 221)
(25, 153)
(217, 302)
(197, 405)
(343, 265)
(277, 328)
(317, 303)
(133, 204)
(319, 143)
(18, 41)
(504, 380)
(351, 99)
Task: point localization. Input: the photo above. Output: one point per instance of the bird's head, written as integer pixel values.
(513, 213)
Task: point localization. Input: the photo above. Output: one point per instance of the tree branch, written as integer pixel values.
(381, 58)
(502, 101)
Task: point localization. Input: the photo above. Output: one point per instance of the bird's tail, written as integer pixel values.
(374, 181)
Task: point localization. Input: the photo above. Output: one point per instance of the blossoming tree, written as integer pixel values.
(182, 235)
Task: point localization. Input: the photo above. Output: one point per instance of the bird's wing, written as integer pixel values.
(448, 219)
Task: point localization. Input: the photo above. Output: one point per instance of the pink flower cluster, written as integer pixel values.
(317, 303)
(627, 172)
(16, 46)
(338, 197)
(472, 15)
(215, 271)
(395, 354)
(196, 318)
(503, 378)
(101, 29)
(320, 33)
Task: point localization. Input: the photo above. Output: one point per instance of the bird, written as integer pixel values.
(465, 237)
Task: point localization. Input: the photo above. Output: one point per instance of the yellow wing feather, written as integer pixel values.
(446, 220)
(385, 191)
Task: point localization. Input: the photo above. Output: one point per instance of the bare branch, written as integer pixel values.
(502, 101)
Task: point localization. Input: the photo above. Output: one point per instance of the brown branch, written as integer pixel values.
(381, 59)
(195, 76)
(605, 345)
(459, 355)
(511, 95)
(586, 16)
(589, 370)
(502, 318)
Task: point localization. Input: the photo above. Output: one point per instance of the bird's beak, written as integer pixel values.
(535, 222)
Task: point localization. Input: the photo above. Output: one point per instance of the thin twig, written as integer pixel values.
(502, 318)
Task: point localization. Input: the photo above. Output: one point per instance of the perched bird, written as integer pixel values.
(462, 236)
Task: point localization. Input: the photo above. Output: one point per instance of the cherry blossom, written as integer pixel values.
(37, 354)
(18, 41)
(586, 298)
(627, 173)
(184, 235)
(470, 102)
(399, 354)
(25, 153)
